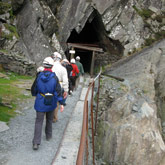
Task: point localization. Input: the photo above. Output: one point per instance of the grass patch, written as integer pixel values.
(15, 76)
(11, 93)
(6, 113)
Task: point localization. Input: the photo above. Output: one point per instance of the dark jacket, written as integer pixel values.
(80, 68)
(69, 68)
(47, 82)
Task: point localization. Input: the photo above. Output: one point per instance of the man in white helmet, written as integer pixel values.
(61, 73)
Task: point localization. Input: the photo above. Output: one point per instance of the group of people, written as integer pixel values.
(55, 80)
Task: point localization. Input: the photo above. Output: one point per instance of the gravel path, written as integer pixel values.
(16, 143)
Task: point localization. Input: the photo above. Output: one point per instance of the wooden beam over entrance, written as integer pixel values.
(89, 47)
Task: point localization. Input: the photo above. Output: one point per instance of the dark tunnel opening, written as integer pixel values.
(93, 34)
(87, 36)
(85, 59)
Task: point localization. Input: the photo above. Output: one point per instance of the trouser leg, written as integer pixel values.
(73, 80)
(55, 116)
(70, 86)
(48, 127)
(77, 82)
(38, 127)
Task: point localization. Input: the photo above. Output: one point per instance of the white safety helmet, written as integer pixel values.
(48, 62)
(78, 58)
(65, 60)
(73, 61)
(57, 55)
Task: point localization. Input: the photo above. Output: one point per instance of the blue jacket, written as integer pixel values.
(47, 82)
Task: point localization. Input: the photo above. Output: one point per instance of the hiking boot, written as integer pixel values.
(55, 120)
(35, 146)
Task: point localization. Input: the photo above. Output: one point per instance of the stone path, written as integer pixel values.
(16, 142)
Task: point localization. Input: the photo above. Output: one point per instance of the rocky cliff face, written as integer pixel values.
(131, 124)
(131, 24)
(130, 120)
(121, 27)
(36, 24)
(28, 29)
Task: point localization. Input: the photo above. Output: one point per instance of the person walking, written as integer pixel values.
(48, 93)
(61, 73)
(69, 69)
(81, 70)
(75, 72)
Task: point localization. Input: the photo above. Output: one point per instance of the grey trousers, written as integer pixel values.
(39, 123)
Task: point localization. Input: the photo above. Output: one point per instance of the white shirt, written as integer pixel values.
(61, 73)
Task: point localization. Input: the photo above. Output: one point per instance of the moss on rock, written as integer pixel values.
(4, 7)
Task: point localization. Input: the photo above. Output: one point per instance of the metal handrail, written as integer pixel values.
(83, 147)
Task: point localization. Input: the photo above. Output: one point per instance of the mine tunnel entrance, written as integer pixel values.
(85, 58)
(92, 38)
(85, 42)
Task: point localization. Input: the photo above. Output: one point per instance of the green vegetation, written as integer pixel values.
(12, 16)
(7, 36)
(159, 18)
(0, 100)
(144, 13)
(10, 93)
(160, 35)
(96, 70)
(58, 2)
(157, 36)
(105, 67)
(4, 7)
(13, 32)
(6, 113)
(4, 51)
(11, 28)
(149, 41)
